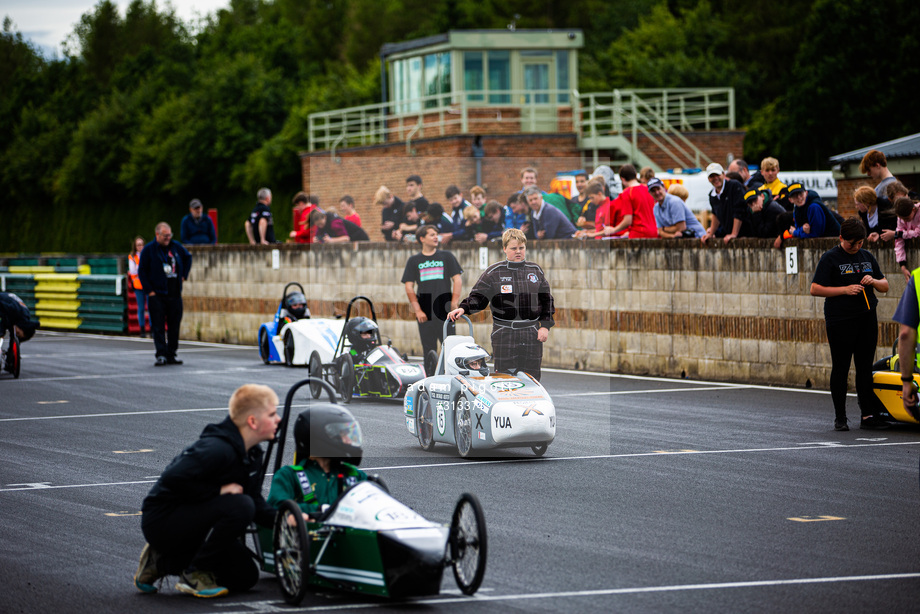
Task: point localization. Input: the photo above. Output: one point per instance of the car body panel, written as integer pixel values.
(506, 410)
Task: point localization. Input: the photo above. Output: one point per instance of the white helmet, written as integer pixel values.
(463, 356)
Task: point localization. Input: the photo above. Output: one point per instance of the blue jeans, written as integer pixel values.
(143, 318)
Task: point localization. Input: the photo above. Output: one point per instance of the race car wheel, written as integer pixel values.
(539, 450)
(468, 543)
(345, 375)
(13, 358)
(289, 349)
(316, 375)
(263, 345)
(431, 363)
(425, 419)
(464, 431)
(292, 552)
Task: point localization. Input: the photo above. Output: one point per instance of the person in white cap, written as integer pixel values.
(731, 217)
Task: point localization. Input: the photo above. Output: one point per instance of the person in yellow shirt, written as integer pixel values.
(769, 168)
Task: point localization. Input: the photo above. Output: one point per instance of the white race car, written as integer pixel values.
(301, 342)
(465, 405)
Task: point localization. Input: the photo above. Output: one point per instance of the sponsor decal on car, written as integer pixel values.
(502, 422)
(438, 387)
(482, 404)
(552, 421)
(482, 435)
(410, 424)
(442, 420)
(409, 404)
(531, 408)
(406, 369)
(506, 385)
(442, 397)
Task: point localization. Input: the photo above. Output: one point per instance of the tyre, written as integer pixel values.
(424, 415)
(292, 552)
(463, 433)
(431, 363)
(263, 345)
(468, 544)
(345, 376)
(316, 374)
(539, 450)
(289, 349)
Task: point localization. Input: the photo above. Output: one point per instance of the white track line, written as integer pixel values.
(817, 446)
(273, 606)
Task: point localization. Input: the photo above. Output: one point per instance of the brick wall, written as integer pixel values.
(440, 162)
(663, 307)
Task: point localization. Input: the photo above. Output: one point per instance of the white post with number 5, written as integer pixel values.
(792, 261)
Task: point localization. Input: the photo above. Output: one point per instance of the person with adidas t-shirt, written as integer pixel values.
(432, 280)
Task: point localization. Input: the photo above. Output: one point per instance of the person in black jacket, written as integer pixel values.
(877, 214)
(731, 217)
(164, 264)
(14, 317)
(199, 508)
(764, 213)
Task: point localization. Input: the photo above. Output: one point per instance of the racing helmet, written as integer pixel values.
(297, 298)
(328, 431)
(355, 331)
(463, 356)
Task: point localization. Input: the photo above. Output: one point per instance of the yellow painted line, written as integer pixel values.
(51, 402)
(131, 451)
(118, 514)
(815, 518)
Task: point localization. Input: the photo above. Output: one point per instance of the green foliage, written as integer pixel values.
(854, 79)
(145, 112)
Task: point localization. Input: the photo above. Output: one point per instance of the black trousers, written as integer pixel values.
(431, 333)
(205, 536)
(517, 349)
(165, 311)
(853, 339)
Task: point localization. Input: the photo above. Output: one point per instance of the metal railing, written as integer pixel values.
(661, 115)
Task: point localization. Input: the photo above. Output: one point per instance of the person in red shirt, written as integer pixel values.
(347, 209)
(303, 205)
(637, 205)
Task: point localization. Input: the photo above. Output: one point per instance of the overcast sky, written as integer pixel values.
(48, 22)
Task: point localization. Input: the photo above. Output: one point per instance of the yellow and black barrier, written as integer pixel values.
(75, 300)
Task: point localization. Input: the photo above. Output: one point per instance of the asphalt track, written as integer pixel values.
(657, 495)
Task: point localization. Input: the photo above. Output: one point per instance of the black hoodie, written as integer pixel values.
(219, 457)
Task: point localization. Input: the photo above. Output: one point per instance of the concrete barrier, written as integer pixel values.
(663, 307)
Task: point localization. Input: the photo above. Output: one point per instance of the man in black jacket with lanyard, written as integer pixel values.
(164, 265)
(522, 307)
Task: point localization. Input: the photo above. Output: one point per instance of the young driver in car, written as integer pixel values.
(325, 438)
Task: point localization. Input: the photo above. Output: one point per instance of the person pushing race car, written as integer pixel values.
(14, 317)
(325, 438)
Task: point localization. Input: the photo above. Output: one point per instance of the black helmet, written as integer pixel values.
(355, 327)
(296, 298)
(328, 431)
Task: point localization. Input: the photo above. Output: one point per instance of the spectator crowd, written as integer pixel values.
(626, 204)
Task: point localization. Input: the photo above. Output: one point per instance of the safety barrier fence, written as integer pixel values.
(63, 294)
